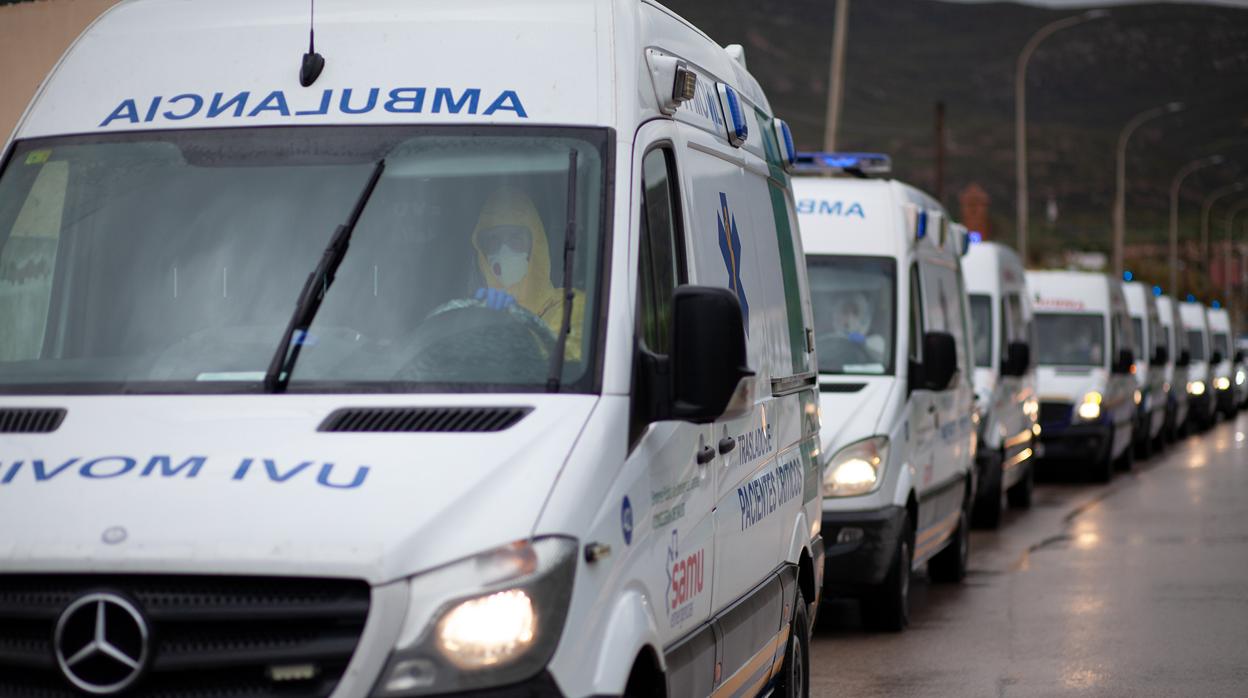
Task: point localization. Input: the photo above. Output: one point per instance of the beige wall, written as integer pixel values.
(33, 35)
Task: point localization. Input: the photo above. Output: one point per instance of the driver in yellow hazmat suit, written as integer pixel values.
(514, 257)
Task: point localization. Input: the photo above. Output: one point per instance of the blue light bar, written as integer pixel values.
(1127, 275)
(1156, 290)
(1216, 305)
(734, 115)
(920, 228)
(974, 237)
(784, 139)
(866, 163)
(1191, 298)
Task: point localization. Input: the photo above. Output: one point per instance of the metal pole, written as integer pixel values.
(836, 76)
(1020, 117)
(1120, 182)
(1175, 186)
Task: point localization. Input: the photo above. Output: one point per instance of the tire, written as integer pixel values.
(1144, 446)
(888, 607)
(1019, 495)
(987, 511)
(949, 565)
(1125, 462)
(795, 674)
(1104, 470)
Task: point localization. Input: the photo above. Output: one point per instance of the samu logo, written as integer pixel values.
(684, 581)
(730, 248)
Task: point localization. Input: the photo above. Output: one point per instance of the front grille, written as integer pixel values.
(1055, 412)
(30, 420)
(211, 637)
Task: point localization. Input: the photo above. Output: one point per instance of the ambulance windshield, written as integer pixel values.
(854, 300)
(171, 261)
(1070, 339)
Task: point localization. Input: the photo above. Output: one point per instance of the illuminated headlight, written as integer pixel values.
(1222, 383)
(1196, 388)
(1089, 408)
(489, 620)
(1240, 377)
(1138, 397)
(1031, 407)
(856, 469)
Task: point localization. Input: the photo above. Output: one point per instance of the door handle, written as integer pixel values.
(706, 454)
(726, 445)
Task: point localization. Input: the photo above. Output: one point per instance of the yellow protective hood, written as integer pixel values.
(512, 207)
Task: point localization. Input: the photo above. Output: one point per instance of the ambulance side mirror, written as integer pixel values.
(1216, 358)
(1017, 359)
(940, 362)
(1185, 359)
(1239, 357)
(1124, 362)
(709, 362)
(1161, 356)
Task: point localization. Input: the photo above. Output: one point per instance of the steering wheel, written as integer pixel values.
(464, 341)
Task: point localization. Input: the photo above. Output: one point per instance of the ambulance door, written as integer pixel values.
(678, 457)
(723, 249)
(921, 417)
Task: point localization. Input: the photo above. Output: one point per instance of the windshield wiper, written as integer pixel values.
(569, 255)
(313, 294)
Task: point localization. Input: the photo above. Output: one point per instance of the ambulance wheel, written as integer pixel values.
(950, 564)
(1125, 462)
(1104, 470)
(888, 607)
(795, 675)
(1019, 495)
(987, 511)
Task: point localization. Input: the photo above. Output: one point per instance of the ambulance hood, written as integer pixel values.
(1069, 384)
(248, 485)
(851, 409)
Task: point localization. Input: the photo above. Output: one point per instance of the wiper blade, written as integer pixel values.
(569, 256)
(314, 289)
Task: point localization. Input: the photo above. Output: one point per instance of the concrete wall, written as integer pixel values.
(33, 35)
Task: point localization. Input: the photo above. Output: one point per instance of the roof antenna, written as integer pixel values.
(313, 62)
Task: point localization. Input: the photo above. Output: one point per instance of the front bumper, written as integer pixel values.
(1076, 442)
(859, 547)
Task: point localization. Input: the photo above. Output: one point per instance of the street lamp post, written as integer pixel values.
(1228, 263)
(1020, 115)
(1120, 184)
(1175, 185)
(1207, 208)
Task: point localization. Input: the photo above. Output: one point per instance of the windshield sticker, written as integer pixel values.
(163, 466)
(762, 496)
(684, 581)
(830, 208)
(38, 157)
(730, 247)
(347, 101)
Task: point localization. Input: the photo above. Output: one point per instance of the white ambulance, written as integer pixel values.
(1005, 378)
(471, 351)
(1178, 359)
(1149, 368)
(1202, 409)
(1222, 359)
(1083, 370)
(895, 367)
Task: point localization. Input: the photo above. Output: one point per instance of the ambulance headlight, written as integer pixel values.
(1196, 388)
(1240, 377)
(1089, 408)
(1222, 383)
(485, 621)
(856, 469)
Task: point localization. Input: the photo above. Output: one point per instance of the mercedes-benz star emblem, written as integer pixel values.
(101, 643)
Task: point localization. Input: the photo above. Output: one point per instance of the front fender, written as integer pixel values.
(633, 628)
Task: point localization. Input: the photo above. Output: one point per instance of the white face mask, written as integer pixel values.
(509, 265)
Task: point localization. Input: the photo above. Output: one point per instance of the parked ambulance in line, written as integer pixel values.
(478, 359)
(1177, 362)
(1202, 407)
(1149, 375)
(895, 367)
(1083, 370)
(1005, 379)
(1222, 360)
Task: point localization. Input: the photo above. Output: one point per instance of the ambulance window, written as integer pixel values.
(661, 265)
(28, 253)
(916, 316)
(981, 327)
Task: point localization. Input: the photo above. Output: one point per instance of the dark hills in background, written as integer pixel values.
(1083, 84)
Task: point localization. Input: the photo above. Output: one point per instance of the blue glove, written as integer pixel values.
(495, 298)
(857, 338)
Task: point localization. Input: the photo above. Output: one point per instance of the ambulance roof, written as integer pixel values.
(990, 267)
(163, 64)
(850, 216)
(1193, 315)
(1069, 291)
(1137, 295)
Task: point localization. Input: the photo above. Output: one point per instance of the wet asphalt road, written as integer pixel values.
(1135, 588)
